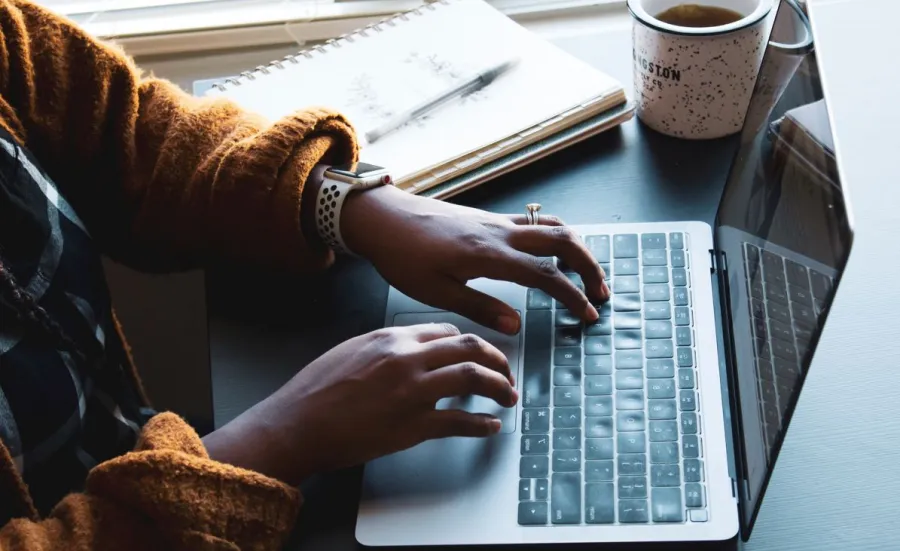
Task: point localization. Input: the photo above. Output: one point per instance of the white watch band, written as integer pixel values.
(329, 202)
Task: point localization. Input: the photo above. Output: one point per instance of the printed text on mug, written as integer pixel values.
(655, 69)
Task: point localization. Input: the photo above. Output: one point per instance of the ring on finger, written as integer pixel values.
(531, 211)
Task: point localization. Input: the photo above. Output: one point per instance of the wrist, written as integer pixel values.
(362, 212)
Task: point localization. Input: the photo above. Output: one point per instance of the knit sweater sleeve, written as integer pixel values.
(166, 494)
(163, 180)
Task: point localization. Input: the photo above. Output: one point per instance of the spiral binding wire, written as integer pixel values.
(334, 43)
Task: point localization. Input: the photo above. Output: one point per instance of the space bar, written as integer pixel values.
(536, 372)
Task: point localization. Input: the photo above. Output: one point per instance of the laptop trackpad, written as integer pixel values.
(508, 345)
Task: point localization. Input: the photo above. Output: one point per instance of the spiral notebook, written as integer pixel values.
(548, 100)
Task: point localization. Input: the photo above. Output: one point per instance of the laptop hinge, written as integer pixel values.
(713, 263)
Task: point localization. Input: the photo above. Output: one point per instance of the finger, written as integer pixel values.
(483, 309)
(563, 243)
(447, 423)
(465, 348)
(468, 379)
(543, 220)
(541, 273)
(427, 332)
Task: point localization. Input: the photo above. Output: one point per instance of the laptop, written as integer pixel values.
(661, 422)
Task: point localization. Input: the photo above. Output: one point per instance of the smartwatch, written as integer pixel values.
(338, 182)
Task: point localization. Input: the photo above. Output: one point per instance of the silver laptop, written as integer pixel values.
(662, 421)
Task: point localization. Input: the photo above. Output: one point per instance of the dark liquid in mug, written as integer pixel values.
(696, 15)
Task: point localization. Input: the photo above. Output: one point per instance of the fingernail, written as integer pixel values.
(495, 425)
(515, 397)
(593, 315)
(606, 291)
(508, 324)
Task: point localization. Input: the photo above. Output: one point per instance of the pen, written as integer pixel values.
(470, 85)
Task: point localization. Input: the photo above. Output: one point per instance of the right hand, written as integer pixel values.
(368, 397)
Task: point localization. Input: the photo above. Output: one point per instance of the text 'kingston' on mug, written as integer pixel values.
(695, 65)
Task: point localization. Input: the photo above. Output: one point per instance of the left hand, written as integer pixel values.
(430, 249)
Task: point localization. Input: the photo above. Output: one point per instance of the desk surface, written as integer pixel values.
(817, 499)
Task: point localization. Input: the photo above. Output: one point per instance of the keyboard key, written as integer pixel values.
(776, 294)
(654, 257)
(566, 418)
(653, 241)
(626, 303)
(662, 409)
(778, 312)
(800, 295)
(679, 277)
(604, 308)
(698, 515)
(821, 285)
(681, 296)
(627, 284)
(536, 368)
(597, 346)
(796, 274)
(568, 336)
(535, 444)
(625, 267)
(627, 320)
(538, 300)
(661, 388)
(597, 365)
(534, 466)
(564, 318)
(598, 427)
(665, 476)
(633, 511)
(631, 379)
(664, 452)
(689, 423)
(688, 400)
(541, 488)
(630, 421)
(625, 246)
(599, 503)
(630, 400)
(658, 329)
(780, 330)
(566, 461)
(568, 355)
(693, 470)
(628, 340)
(565, 396)
(658, 311)
(535, 420)
(676, 240)
(663, 431)
(597, 385)
(533, 513)
(598, 471)
(567, 376)
(603, 326)
(677, 258)
(525, 489)
(567, 439)
(659, 348)
(690, 447)
(694, 496)
(784, 349)
(803, 314)
(629, 359)
(598, 448)
(682, 316)
(565, 498)
(598, 406)
(599, 247)
(686, 378)
(667, 505)
(632, 487)
(685, 357)
(660, 369)
(772, 266)
(631, 463)
(656, 274)
(630, 442)
(656, 292)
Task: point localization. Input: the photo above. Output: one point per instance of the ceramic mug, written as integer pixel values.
(696, 82)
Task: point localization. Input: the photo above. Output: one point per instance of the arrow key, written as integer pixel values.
(532, 513)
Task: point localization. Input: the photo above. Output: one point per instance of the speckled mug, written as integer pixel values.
(696, 82)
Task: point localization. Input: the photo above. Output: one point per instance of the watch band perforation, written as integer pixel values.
(329, 203)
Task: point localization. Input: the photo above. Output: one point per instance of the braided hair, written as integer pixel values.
(34, 317)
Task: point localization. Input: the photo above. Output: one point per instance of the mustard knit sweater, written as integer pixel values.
(164, 181)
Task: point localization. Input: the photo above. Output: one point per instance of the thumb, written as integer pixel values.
(447, 423)
(477, 306)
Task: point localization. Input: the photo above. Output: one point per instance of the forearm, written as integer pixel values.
(162, 180)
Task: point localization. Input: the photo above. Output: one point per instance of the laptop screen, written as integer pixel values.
(783, 230)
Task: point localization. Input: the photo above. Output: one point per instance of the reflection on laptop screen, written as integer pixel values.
(783, 229)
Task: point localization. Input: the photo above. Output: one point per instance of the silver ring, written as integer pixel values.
(531, 212)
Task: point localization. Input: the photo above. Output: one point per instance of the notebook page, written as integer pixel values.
(389, 71)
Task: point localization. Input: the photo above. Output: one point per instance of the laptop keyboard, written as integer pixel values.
(610, 410)
(786, 299)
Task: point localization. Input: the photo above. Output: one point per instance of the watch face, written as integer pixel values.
(356, 170)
